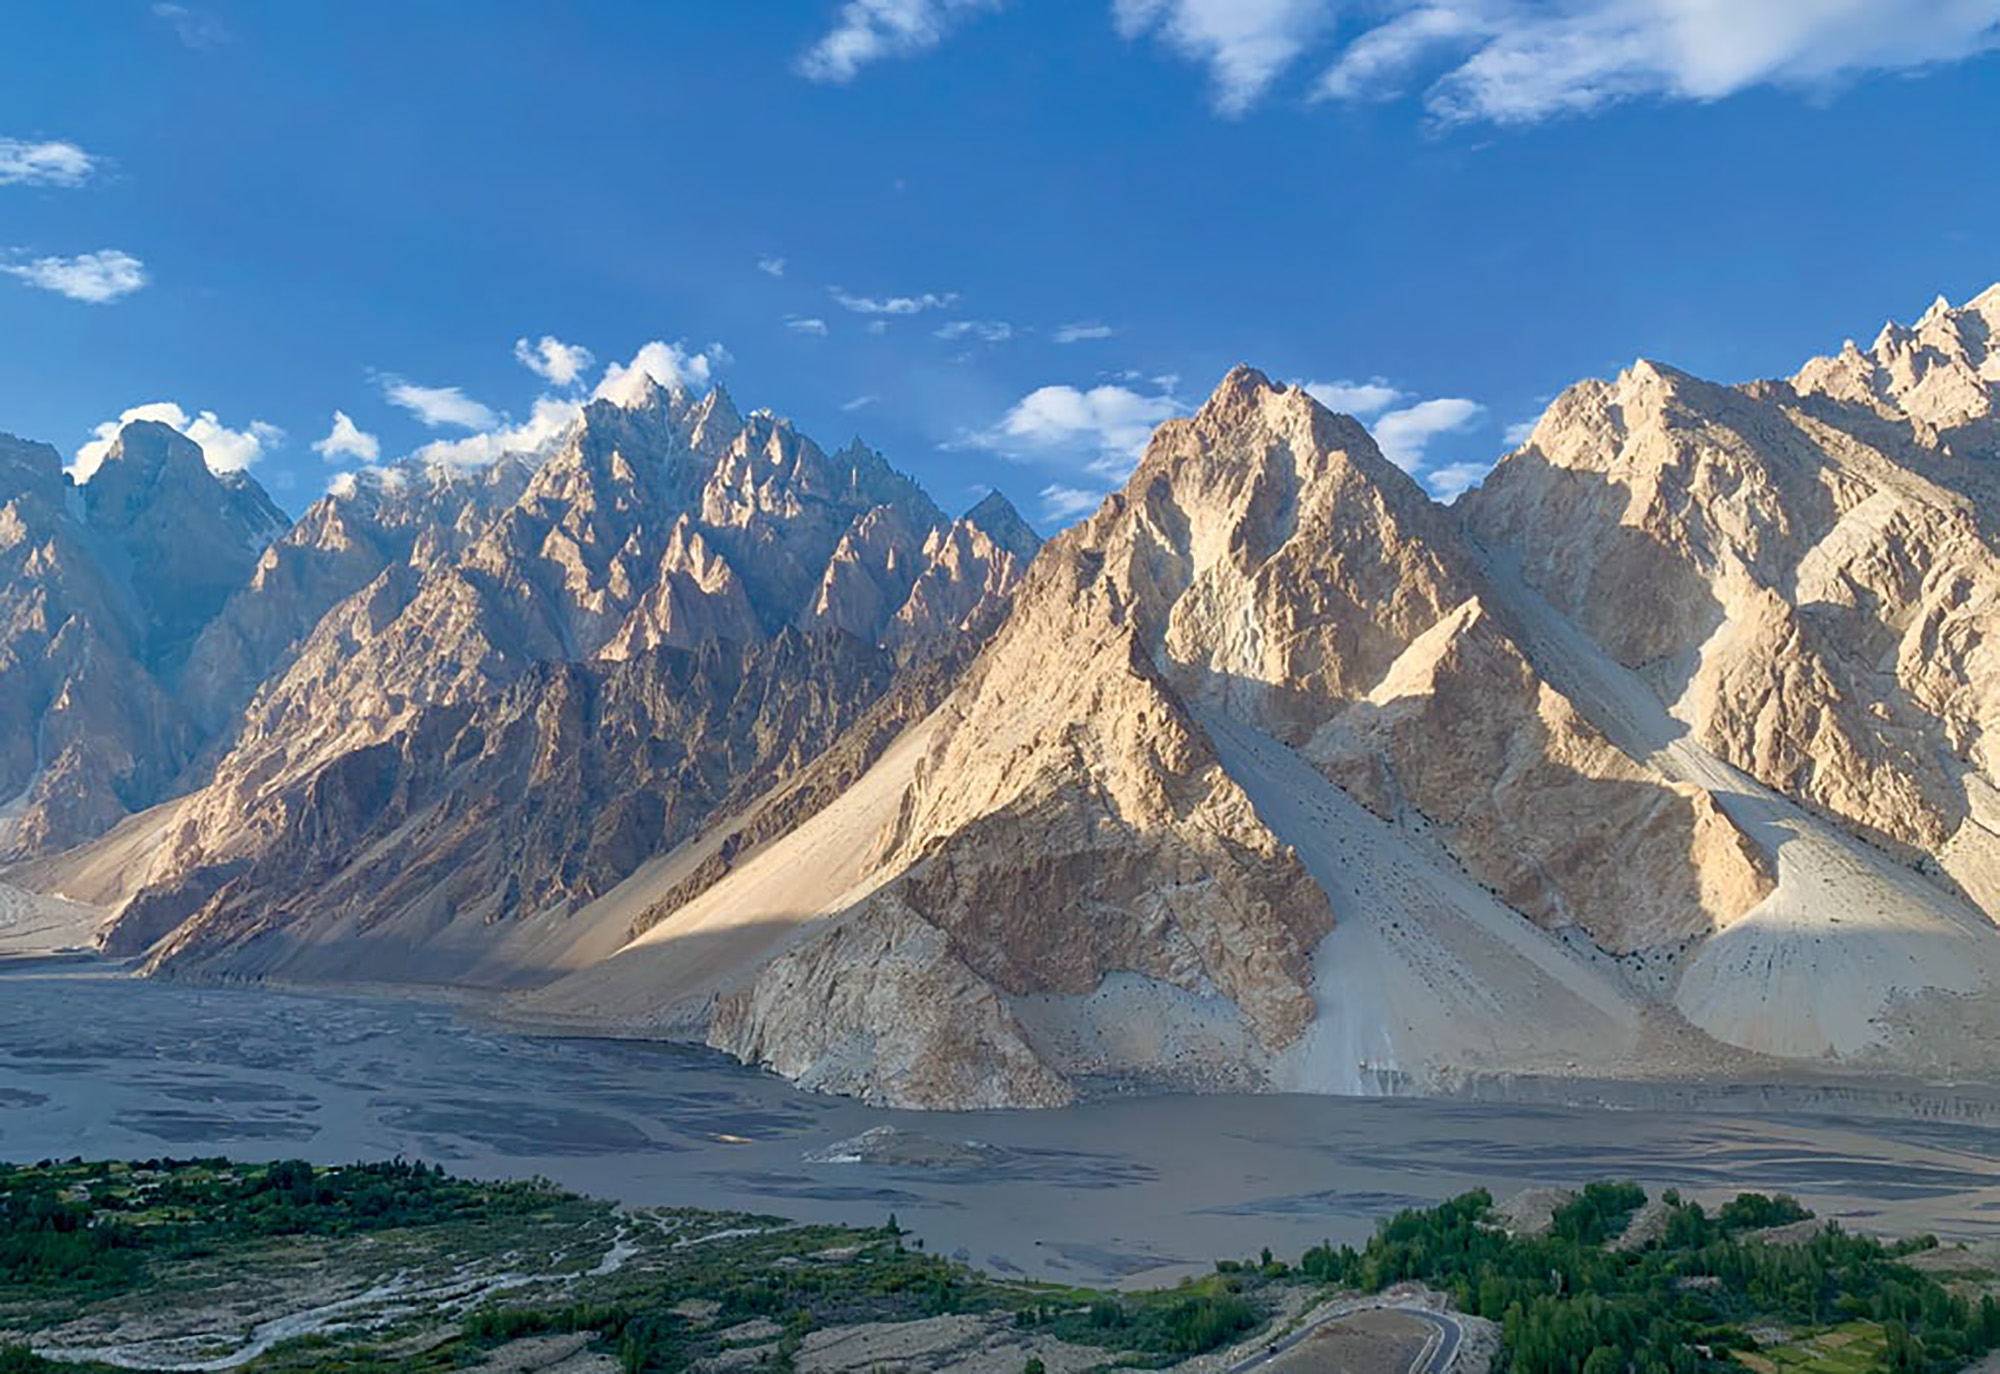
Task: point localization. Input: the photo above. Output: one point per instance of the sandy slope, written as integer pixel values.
(110, 869)
(1424, 972)
(32, 924)
(665, 980)
(1849, 939)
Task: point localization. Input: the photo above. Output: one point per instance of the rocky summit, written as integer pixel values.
(1664, 752)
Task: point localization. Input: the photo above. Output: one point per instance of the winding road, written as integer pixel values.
(1439, 1351)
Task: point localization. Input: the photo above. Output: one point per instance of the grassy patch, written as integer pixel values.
(1850, 1348)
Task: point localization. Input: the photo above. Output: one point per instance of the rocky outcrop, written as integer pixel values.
(410, 515)
(1532, 797)
(489, 697)
(182, 537)
(1801, 568)
(1073, 826)
(103, 589)
(386, 863)
(1669, 750)
(969, 574)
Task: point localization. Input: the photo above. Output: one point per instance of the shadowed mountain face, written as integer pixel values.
(446, 702)
(103, 590)
(1668, 750)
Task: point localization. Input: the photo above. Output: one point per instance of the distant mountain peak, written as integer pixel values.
(997, 518)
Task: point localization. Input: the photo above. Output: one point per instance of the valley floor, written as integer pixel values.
(1120, 1190)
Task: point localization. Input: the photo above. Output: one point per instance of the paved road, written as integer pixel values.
(1447, 1333)
(1439, 1353)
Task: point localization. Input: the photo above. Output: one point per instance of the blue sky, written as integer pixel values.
(996, 239)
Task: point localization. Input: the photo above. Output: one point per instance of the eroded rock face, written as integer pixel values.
(1801, 568)
(185, 537)
(490, 696)
(407, 515)
(1072, 821)
(1529, 795)
(1272, 773)
(103, 588)
(530, 802)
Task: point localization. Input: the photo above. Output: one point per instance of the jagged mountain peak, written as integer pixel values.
(151, 446)
(28, 466)
(994, 516)
(1939, 376)
(1235, 478)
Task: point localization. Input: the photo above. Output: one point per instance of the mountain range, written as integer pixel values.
(1672, 749)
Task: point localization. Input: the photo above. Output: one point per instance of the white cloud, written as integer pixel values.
(1354, 398)
(877, 326)
(98, 277)
(806, 324)
(1068, 503)
(869, 30)
(1500, 61)
(1107, 425)
(672, 365)
(555, 362)
(986, 331)
(892, 305)
(1081, 331)
(1518, 61)
(1246, 43)
(548, 420)
(1452, 480)
(225, 449)
(859, 403)
(348, 440)
(437, 406)
(195, 28)
(1519, 433)
(386, 479)
(771, 266)
(54, 163)
(1404, 434)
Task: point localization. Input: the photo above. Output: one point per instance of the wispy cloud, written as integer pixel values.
(1519, 432)
(771, 266)
(548, 420)
(867, 31)
(555, 362)
(892, 305)
(1104, 428)
(986, 331)
(1404, 434)
(1245, 43)
(1489, 61)
(1354, 398)
(98, 278)
(346, 485)
(194, 27)
(1068, 503)
(1453, 480)
(859, 403)
(1082, 331)
(806, 324)
(53, 162)
(438, 406)
(675, 366)
(672, 365)
(1521, 61)
(348, 440)
(225, 449)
